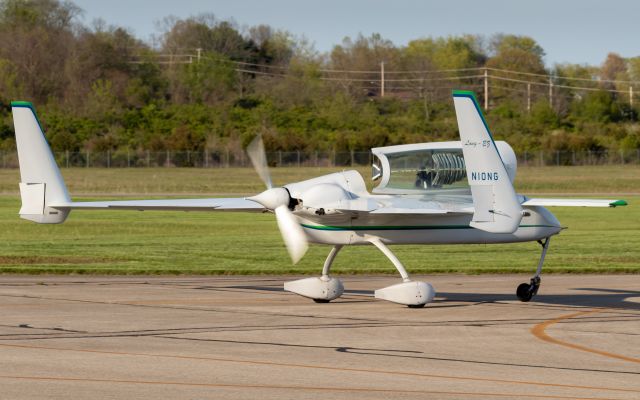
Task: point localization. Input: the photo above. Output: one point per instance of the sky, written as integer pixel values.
(573, 31)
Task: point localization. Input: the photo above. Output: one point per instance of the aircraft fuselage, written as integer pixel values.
(345, 229)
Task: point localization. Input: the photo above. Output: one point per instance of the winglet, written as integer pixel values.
(41, 186)
(496, 204)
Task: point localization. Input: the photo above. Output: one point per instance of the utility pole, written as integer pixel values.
(486, 89)
(550, 91)
(631, 96)
(528, 98)
(199, 54)
(382, 79)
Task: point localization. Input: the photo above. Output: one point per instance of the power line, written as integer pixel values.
(387, 72)
(424, 82)
(562, 77)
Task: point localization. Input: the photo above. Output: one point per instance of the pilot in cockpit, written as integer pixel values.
(424, 176)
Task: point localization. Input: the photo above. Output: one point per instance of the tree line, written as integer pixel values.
(207, 84)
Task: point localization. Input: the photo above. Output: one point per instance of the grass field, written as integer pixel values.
(127, 242)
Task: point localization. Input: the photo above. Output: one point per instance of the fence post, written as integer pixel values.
(148, 159)
(66, 156)
(108, 158)
(298, 158)
(541, 158)
(128, 159)
(557, 158)
(88, 156)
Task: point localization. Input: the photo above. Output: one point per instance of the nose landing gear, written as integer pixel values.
(526, 291)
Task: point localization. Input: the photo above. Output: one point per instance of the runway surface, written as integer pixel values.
(244, 338)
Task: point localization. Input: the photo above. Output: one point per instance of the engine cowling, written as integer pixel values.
(324, 198)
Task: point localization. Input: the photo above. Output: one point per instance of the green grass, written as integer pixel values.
(128, 242)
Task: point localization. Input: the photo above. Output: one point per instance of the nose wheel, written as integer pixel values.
(526, 291)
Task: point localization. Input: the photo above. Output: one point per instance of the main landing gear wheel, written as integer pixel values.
(321, 300)
(526, 291)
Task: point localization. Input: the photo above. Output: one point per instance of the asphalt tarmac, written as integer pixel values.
(77, 337)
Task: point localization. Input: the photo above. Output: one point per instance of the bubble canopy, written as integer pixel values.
(428, 168)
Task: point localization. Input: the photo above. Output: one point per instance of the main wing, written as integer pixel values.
(210, 204)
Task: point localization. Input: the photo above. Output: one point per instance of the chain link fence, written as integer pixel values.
(215, 159)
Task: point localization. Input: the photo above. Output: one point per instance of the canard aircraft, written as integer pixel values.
(431, 193)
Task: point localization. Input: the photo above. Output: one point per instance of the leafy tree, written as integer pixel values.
(514, 53)
(431, 55)
(103, 54)
(205, 32)
(363, 54)
(209, 80)
(10, 85)
(596, 107)
(543, 116)
(35, 39)
(444, 53)
(274, 47)
(613, 68)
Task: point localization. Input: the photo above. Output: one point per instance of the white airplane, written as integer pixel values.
(432, 193)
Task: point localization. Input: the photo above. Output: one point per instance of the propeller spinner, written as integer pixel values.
(277, 199)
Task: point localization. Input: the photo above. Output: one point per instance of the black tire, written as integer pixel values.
(416, 305)
(524, 292)
(321, 300)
